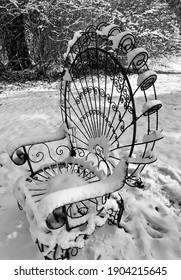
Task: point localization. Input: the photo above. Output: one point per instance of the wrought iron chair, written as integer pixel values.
(101, 151)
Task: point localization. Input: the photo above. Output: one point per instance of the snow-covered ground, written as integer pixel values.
(151, 222)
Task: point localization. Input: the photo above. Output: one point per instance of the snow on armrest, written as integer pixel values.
(67, 196)
(31, 140)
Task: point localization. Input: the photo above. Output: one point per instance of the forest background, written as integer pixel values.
(34, 34)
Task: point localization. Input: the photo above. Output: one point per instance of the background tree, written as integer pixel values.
(175, 6)
(13, 35)
(35, 32)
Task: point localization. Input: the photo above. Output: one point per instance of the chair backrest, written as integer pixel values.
(96, 98)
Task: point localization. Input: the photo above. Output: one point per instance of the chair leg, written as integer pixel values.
(19, 206)
(120, 212)
(56, 254)
(115, 216)
(62, 254)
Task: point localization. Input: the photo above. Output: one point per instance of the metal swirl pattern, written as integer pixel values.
(138, 58)
(127, 43)
(148, 81)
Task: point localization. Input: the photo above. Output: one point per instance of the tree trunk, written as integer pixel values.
(15, 44)
(2, 68)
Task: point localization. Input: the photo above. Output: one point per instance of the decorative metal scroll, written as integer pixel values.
(38, 154)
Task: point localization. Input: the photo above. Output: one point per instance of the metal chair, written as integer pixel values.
(96, 150)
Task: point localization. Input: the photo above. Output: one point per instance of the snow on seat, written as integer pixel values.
(148, 158)
(153, 136)
(150, 107)
(83, 192)
(124, 40)
(146, 80)
(137, 57)
(70, 200)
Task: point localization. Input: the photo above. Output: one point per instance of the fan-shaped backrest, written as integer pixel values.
(97, 101)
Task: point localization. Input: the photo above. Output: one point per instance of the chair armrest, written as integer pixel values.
(59, 134)
(39, 148)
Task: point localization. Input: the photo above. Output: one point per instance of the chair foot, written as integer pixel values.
(115, 216)
(57, 253)
(19, 206)
(121, 210)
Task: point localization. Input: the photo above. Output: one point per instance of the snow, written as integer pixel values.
(148, 158)
(95, 143)
(153, 136)
(105, 30)
(151, 105)
(65, 181)
(32, 138)
(151, 222)
(67, 76)
(56, 197)
(146, 79)
(138, 56)
(126, 38)
(71, 42)
(82, 192)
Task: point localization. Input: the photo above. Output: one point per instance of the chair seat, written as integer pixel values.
(74, 197)
(65, 181)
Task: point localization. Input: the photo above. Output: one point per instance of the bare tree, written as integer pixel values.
(13, 35)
